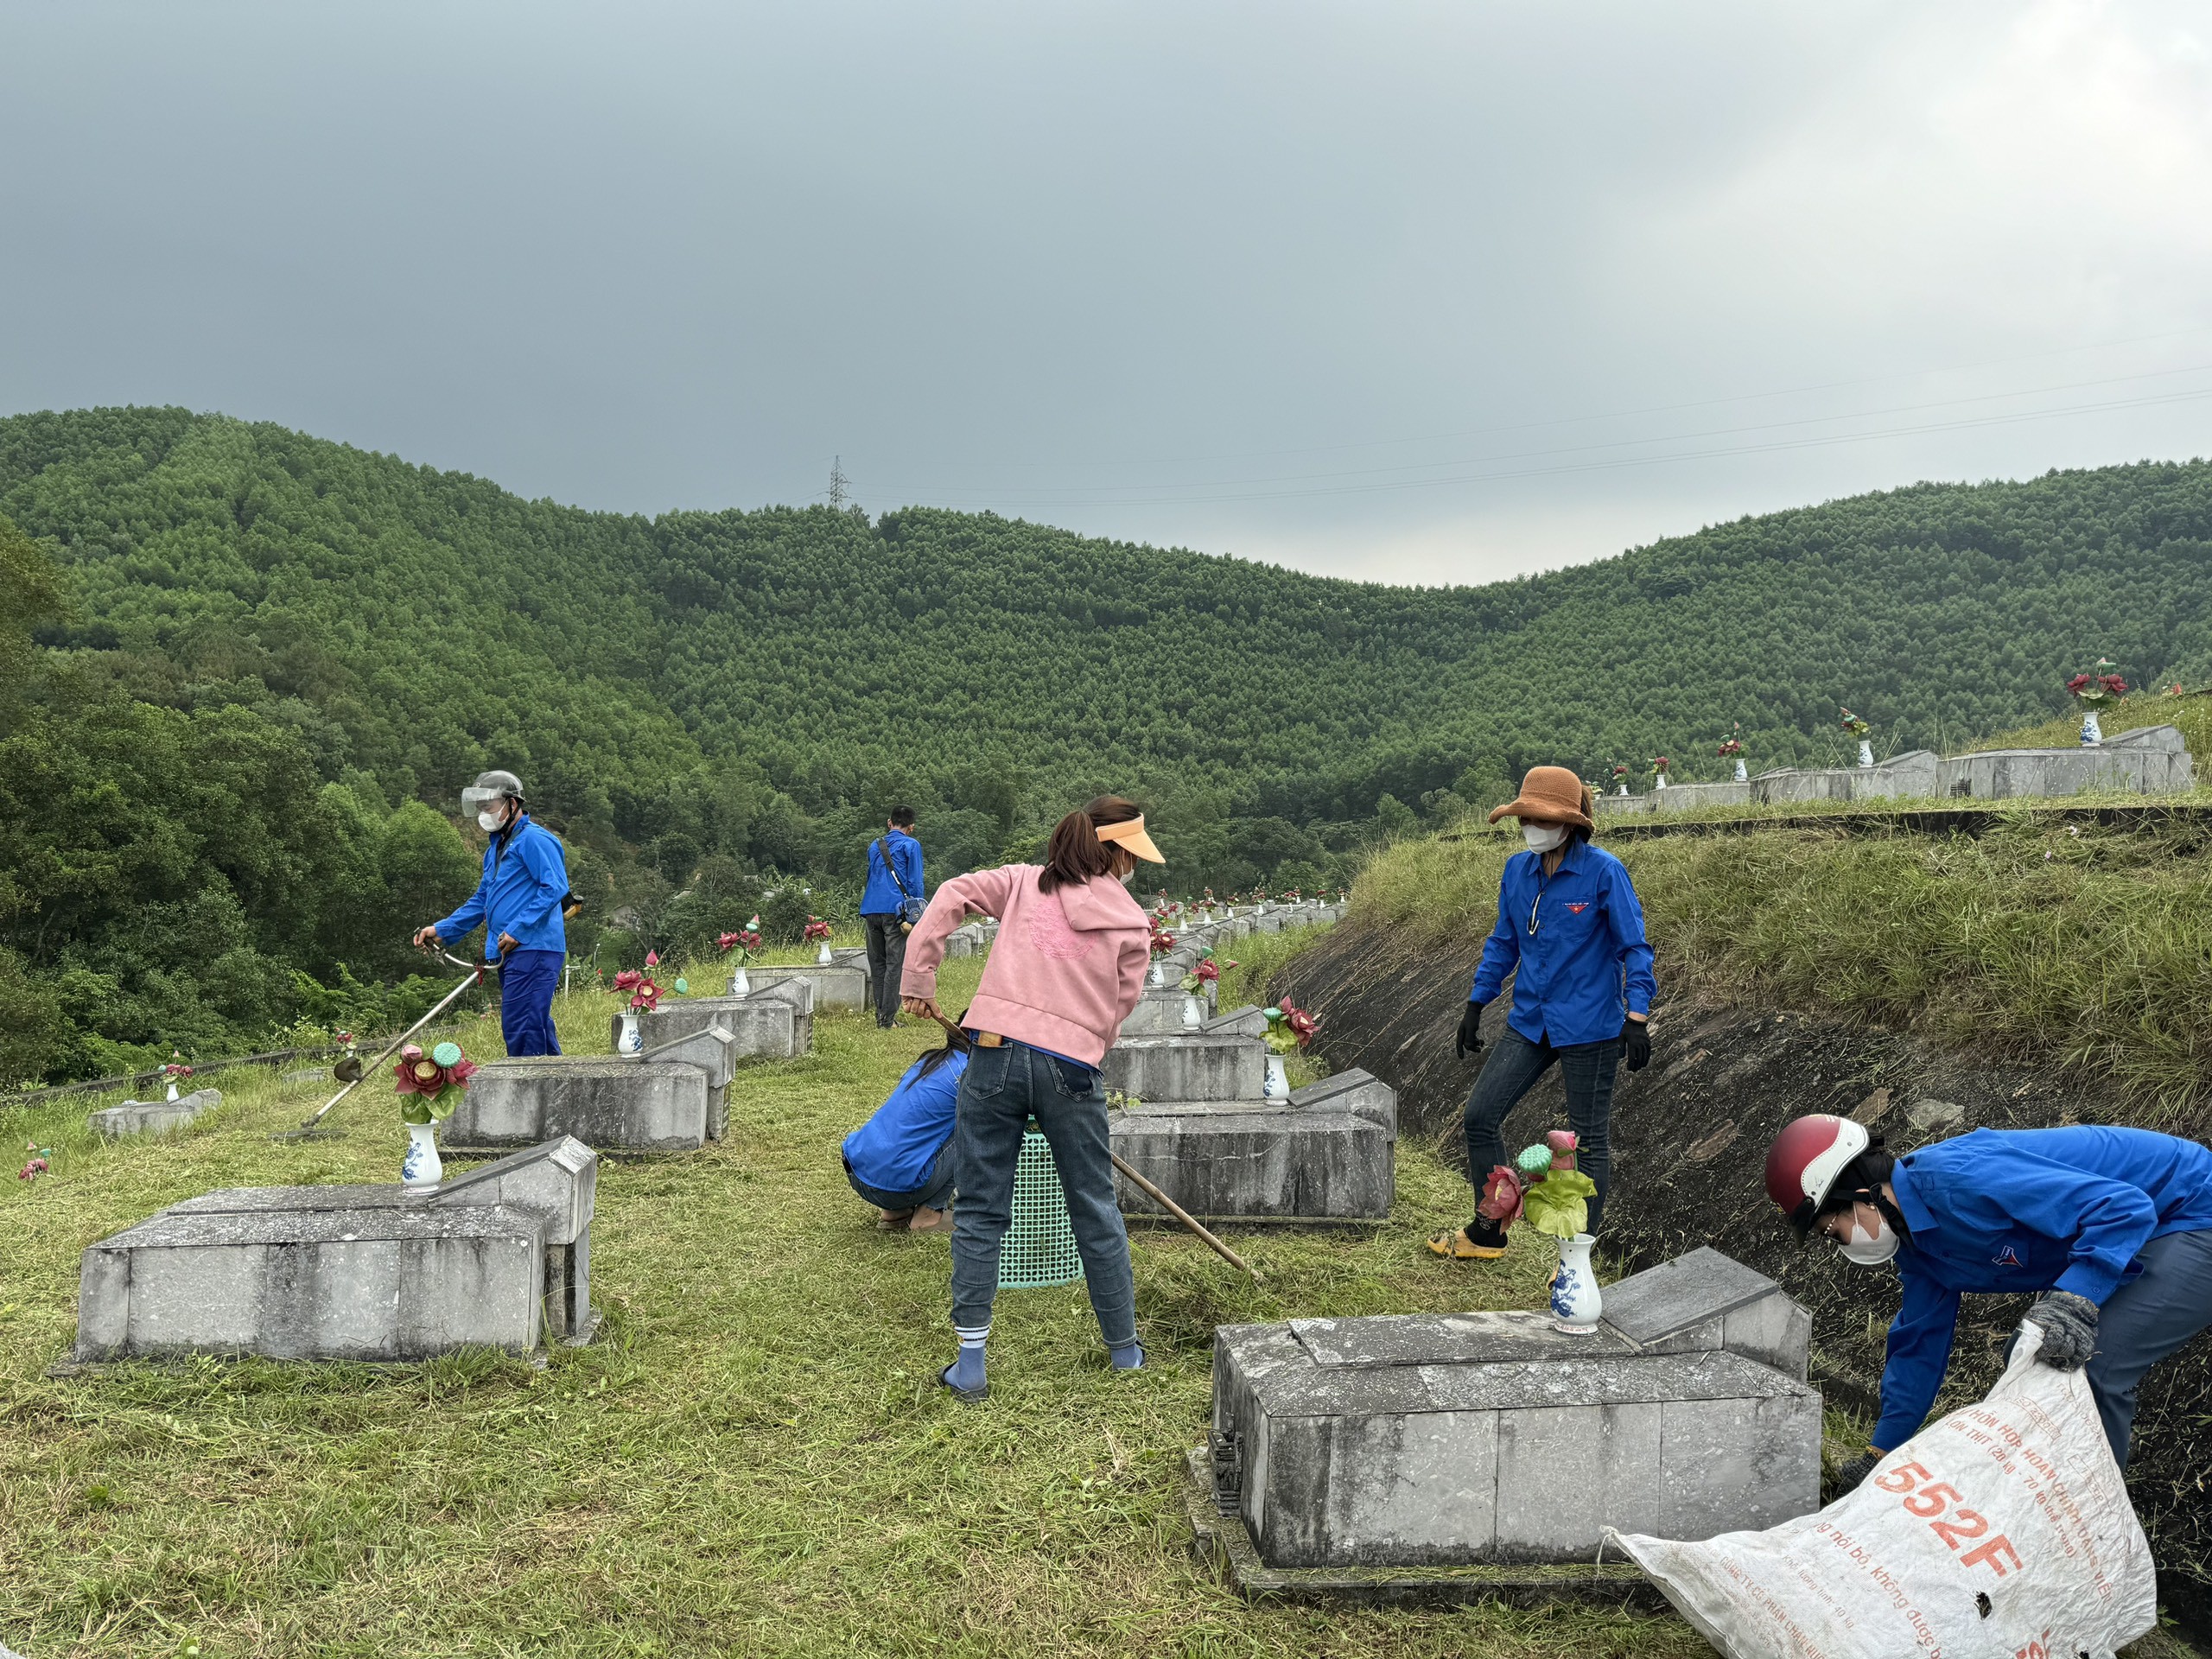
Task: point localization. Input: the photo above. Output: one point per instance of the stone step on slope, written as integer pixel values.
(1420, 1440)
(500, 1256)
(154, 1116)
(1159, 1011)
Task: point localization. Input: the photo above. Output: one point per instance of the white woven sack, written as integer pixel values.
(2003, 1529)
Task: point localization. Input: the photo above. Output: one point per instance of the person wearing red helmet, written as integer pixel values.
(2112, 1227)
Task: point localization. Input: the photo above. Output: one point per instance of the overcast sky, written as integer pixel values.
(1409, 293)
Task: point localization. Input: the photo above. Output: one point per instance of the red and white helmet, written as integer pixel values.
(1806, 1159)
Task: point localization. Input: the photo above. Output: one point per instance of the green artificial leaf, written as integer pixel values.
(1557, 1203)
(414, 1108)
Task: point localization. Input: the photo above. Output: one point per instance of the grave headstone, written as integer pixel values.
(152, 1116)
(607, 1103)
(839, 987)
(500, 1256)
(1424, 1440)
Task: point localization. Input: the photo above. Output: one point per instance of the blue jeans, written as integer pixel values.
(931, 1194)
(527, 982)
(1001, 1089)
(2148, 1317)
(1513, 1068)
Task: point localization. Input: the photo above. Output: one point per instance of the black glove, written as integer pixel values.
(1470, 1039)
(1636, 1034)
(1850, 1472)
(2069, 1323)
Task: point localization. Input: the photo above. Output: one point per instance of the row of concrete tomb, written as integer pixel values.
(2150, 760)
(1390, 1442)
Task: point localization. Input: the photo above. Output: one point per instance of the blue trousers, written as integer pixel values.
(1513, 1068)
(2150, 1317)
(934, 1194)
(527, 982)
(1001, 1089)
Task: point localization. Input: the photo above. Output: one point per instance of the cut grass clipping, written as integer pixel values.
(755, 1458)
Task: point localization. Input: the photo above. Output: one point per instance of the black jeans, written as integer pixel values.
(1513, 1068)
(887, 959)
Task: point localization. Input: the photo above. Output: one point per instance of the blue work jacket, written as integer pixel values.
(2024, 1209)
(894, 1150)
(881, 897)
(1577, 938)
(525, 878)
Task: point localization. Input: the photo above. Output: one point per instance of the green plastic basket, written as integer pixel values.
(1040, 1245)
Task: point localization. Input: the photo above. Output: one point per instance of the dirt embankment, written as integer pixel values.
(1690, 1135)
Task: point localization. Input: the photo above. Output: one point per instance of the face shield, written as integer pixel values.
(481, 799)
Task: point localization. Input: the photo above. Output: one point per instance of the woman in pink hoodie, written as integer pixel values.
(1067, 968)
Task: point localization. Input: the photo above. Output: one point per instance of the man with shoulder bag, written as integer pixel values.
(890, 906)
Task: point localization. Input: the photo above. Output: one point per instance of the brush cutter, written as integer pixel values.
(350, 1071)
(1151, 1191)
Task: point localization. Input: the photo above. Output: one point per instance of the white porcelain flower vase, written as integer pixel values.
(633, 1040)
(1575, 1302)
(1194, 1012)
(1742, 776)
(1158, 975)
(741, 984)
(422, 1168)
(2093, 731)
(1623, 790)
(822, 957)
(172, 1088)
(1661, 783)
(1276, 1084)
(1865, 752)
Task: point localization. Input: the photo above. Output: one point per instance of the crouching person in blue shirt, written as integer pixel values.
(1570, 930)
(2111, 1228)
(519, 903)
(900, 1161)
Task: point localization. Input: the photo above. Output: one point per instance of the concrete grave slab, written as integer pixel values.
(1421, 1441)
(1197, 1066)
(1159, 1011)
(842, 987)
(608, 1103)
(1236, 1162)
(1359, 1092)
(772, 1022)
(1245, 1021)
(154, 1116)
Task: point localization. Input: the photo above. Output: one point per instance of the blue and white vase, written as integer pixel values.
(1742, 776)
(1194, 1012)
(1866, 752)
(1576, 1304)
(741, 984)
(2092, 732)
(631, 1041)
(422, 1168)
(1276, 1084)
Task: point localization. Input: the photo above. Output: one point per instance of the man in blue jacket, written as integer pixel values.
(2111, 1227)
(890, 905)
(1570, 930)
(519, 903)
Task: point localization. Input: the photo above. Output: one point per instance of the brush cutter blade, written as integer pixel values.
(347, 1069)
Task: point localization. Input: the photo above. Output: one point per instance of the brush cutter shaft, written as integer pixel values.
(476, 976)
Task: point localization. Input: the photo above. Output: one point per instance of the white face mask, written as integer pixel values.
(488, 822)
(1542, 837)
(1871, 1252)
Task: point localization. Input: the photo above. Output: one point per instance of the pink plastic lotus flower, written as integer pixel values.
(1563, 1144)
(1501, 1200)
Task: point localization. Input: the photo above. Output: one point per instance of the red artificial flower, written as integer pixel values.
(1207, 969)
(2078, 684)
(1563, 1144)
(653, 959)
(816, 929)
(1501, 1200)
(725, 941)
(418, 1073)
(628, 980)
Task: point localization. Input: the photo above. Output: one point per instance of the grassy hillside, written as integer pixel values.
(266, 664)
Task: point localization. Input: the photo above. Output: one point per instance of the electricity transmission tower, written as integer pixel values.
(840, 487)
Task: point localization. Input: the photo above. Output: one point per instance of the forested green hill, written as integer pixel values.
(701, 698)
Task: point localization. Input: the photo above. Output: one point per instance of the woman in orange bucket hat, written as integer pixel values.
(1570, 931)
